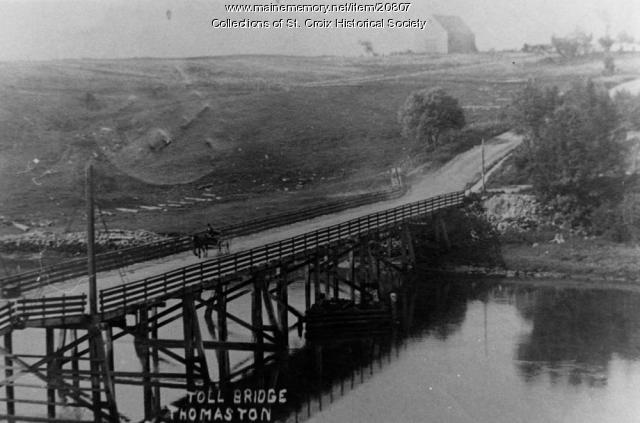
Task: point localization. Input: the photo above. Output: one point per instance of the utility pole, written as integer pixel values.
(483, 169)
(94, 330)
(91, 255)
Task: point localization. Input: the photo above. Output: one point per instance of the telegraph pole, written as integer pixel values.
(94, 329)
(483, 169)
(91, 254)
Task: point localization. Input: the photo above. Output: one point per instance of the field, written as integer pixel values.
(257, 134)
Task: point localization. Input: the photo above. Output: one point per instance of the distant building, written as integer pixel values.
(449, 34)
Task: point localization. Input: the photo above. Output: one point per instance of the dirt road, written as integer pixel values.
(453, 176)
(632, 87)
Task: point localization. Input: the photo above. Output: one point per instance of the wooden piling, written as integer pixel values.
(223, 334)
(352, 275)
(283, 312)
(155, 356)
(189, 349)
(445, 233)
(256, 323)
(327, 281)
(143, 340)
(307, 288)
(336, 280)
(110, 353)
(8, 373)
(51, 376)
(75, 363)
(316, 277)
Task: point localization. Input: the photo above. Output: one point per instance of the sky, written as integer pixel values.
(59, 29)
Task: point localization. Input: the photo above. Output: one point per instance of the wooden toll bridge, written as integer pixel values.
(77, 368)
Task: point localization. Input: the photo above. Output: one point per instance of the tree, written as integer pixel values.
(427, 114)
(629, 108)
(531, 106)
(576, 148)
(578, 153)
(624, 37)
(606, 42)
(368, 47)
(576, 44)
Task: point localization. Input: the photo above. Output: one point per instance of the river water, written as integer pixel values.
(468, 351)
(493, 352)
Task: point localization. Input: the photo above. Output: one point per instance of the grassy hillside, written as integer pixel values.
(262, 133)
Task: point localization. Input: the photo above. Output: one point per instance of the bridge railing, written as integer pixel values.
(124, 257)
(6, 312)
(16, 314)
(168, 284)
(48, 307)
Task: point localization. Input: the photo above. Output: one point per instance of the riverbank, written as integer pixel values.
(591, 259)
(532, 247)
(520, 240)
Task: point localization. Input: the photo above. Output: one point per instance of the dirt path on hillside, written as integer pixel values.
(453, 176)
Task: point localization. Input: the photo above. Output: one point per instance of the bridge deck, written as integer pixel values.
(132, 289)
(454, 176)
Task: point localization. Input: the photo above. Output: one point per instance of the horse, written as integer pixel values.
(202, 241)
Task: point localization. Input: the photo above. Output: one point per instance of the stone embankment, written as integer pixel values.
(74, 242)
(513, 211)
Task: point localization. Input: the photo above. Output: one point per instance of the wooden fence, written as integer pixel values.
(66, 270)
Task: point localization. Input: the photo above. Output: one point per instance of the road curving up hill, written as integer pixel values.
(453, 176)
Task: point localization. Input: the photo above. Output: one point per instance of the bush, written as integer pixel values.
(619, 221)
(574, 152)
(427, 114)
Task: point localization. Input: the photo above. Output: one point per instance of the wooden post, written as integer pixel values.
(93, 297)
(143, 333)
(307, 288)
(363, 271)
(198, 344)
(156, 361)
(327, 281)
(316, 276)
(283, 312)
(407, 240)
(445, 234)
(105, 375)
(8, 373)
(223, 354)
(189, 351)
(256, 322)
(75, 365)
(109, 347)
(336, 280)
(91, 258)
(51, 377)
(352, 275)
(374, 279)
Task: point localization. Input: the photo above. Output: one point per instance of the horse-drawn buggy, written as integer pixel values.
(203, 240)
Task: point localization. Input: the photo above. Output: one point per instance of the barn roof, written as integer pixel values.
(453, 24)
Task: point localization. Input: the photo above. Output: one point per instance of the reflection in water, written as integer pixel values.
(470, 351)
(492, 352)
(576, 333)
